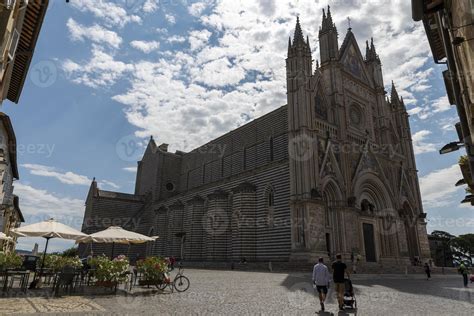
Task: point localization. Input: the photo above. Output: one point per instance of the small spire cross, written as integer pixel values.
(349, 23)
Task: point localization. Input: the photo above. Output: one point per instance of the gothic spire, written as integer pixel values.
(329, 18)
(327, 24)
(298, 38)
(394, 94)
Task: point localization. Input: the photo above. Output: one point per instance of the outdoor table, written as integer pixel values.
(24, 276)
(47, 276)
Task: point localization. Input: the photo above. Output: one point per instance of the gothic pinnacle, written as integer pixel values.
(394, 94)
(367, 50)
(330, 23)
(298, 38)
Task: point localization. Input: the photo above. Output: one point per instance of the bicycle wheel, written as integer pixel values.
(181, 283)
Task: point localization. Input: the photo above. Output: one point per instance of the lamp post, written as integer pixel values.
(450, 147)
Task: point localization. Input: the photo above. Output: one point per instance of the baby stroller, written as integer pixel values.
(349, 296)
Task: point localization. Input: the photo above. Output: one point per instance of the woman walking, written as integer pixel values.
(427, 271)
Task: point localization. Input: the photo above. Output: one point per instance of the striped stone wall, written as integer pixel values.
(228, 220)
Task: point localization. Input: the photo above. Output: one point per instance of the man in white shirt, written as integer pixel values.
(321, 278)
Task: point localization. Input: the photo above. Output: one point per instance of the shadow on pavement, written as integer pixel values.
(443, 286)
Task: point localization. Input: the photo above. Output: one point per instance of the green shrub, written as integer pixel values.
(107, 270)
(57, 262)
(10, 261)
(152, 268)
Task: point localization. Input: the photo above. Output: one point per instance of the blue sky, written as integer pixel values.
(110, 73)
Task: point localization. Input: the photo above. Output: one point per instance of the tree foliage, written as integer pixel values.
(464, 246)
(71, 252)
(442, 234)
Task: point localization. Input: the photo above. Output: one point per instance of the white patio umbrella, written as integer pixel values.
(116, 235)
(3, 236)
(47, 229)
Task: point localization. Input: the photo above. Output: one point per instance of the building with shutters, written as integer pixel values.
(333, 171)
(20, 25)
(10, 213)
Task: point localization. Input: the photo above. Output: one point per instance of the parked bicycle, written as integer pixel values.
(180, 282)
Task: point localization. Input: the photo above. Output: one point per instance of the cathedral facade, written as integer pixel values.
(333, 171)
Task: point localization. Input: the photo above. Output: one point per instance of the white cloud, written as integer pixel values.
(438, 187)
(219, 73)
(176, 39)
(67, 177)
(198, 39)
(111, 13)
(101, 70)
(420, 146)
(197, 8)
(150, 6)
(234, 69)
(130, 169)
(170, 18)
(38, 203)
(108, 184)
(144, 46)
(95, 33)
(441, 104)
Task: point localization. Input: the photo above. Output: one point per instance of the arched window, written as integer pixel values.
(270, 205)
(320, 108)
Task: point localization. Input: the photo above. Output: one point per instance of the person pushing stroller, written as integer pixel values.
(339, 269)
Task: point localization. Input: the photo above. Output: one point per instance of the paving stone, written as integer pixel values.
(260, 293)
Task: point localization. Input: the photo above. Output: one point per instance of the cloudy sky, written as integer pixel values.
(108, 74)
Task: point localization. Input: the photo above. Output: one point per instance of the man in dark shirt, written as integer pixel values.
(339, 268)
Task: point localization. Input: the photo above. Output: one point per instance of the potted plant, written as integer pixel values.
(109, 273)
(153, 270)
(56, 263)
(10, 261)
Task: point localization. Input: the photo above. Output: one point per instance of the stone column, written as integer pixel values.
(162, 231)
(177, 211)
(194, 228)
(350, 230)
(216, 224)
(243, 222)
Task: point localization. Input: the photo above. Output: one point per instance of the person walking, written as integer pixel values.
(339, 269)
(464, 271)
(427, 271)
(321, 279)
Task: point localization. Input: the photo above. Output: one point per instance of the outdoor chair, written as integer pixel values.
(65, 280)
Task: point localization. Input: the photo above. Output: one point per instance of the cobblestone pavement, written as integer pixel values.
(252, 293)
